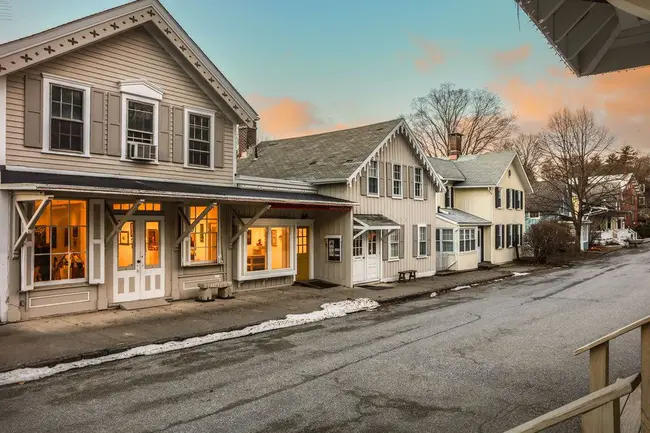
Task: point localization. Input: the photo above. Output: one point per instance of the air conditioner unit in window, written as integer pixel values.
(142, 151)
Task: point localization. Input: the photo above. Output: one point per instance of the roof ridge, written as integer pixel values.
(398, 119)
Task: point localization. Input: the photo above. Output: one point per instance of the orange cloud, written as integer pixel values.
(508, 58)
(619, 100)
(430, 56)
(287, 117)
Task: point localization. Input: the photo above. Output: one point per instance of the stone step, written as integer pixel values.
(144, 303)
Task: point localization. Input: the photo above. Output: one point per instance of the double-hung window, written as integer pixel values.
(422, 241)
(140, 137)
(373, 178)
(445, 240)
(467, 240)
(417, 183)
(393, 245)
(66, 116)
(397, 180)
(199, 138)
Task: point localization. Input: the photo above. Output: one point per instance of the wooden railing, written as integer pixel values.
(600, 409)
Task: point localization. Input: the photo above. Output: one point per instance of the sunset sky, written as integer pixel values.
(310, 66)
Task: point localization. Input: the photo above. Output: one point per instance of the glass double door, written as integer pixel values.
(139, 257)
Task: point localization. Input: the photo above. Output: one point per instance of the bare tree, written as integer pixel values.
(570, 144)
(477, 114)
(529, 149)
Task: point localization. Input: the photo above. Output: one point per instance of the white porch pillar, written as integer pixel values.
(6, 208)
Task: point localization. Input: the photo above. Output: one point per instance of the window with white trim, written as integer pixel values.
(397, 180)
(422, 240)
(445, 240)
(393, 245)
(467, 240)
(199, 138)
(357, 246)
(268, 248)
(66, 116)
(417, 182)
(140, 128)
(373, 178)
(204, 237)
(533, 215)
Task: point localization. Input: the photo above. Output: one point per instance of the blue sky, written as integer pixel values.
(343, 62)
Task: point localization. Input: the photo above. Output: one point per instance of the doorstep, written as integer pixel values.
(144, 303)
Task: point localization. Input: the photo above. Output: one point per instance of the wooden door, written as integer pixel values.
(302, 253)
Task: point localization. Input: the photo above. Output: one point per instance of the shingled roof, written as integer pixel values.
(482, 170)
(330, 157)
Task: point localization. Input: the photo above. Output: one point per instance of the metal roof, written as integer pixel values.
(460, 217)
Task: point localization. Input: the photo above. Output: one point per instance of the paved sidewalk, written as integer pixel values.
(66, 338)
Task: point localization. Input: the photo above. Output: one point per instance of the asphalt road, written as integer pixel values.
(479, 360)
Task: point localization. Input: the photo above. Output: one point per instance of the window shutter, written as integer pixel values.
(410, 190)
(27, 264)
(509, 235)
(521, 234)
(497, 197)
(96, 259)
(185, 244)
(497, 240)
(447, 201)
(163, 133)
(382, 182)
(219, 158)
(428, 240)
(521, 199)
(389, 179)
(507, 198)
(451, 197)
(114, 124)
(384, 247)
(97, 121)
(503, 236)
(405, 181)
(178, 153)
(401, 234)
(415, 240)
(425, 186)
(33, 111)
(364, 182)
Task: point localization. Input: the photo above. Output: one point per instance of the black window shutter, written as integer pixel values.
(508, 198)
(497, 197)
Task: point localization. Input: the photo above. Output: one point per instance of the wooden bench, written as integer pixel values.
(402, 275)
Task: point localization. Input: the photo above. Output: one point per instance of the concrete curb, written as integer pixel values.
(117, 349)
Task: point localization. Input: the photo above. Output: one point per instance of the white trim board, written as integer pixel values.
(3, 120)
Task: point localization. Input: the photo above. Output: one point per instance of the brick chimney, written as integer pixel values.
(455, 141)
(247, 140)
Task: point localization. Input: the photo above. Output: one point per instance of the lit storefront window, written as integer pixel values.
(204, 237)
(60, 242)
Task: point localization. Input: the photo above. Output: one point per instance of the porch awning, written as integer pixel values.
(374, 222)
(111, 186)
(458, 217)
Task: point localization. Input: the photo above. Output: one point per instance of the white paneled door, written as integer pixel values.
(366, 258)
(139, 256)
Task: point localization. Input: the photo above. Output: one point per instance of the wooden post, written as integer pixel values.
(645, 378)
(605, 419)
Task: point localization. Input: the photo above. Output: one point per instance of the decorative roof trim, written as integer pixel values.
(401, 128)
(38, 48)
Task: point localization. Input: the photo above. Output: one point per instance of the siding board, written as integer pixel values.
(131, 55)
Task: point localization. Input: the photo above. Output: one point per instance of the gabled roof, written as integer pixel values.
(461, 218)
(446, 169)
(484, 170)
(331, 157)
(547, 198)
(41, 47)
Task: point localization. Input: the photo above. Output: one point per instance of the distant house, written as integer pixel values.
(481, 215)
(383, 170)
(546, 203)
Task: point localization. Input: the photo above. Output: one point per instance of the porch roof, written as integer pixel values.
(113, 186)
(459, 217)
(374, 222)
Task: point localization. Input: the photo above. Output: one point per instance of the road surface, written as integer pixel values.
(479, 360)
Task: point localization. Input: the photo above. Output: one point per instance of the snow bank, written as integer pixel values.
(455, 289)
(519, 274)
(327, 311)
(434, 294)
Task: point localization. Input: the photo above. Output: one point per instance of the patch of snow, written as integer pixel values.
(474, 284)
(455, 289)
(327, 311)
(497, 280)
(434, 294)
(520, 274)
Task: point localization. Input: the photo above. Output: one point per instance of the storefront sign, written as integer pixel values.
(333, 248)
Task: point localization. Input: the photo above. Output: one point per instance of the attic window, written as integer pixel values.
(509, 172)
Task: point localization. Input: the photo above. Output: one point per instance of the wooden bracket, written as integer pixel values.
(28, 226)
(248, 224)
(191, 226)
(123, 221)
